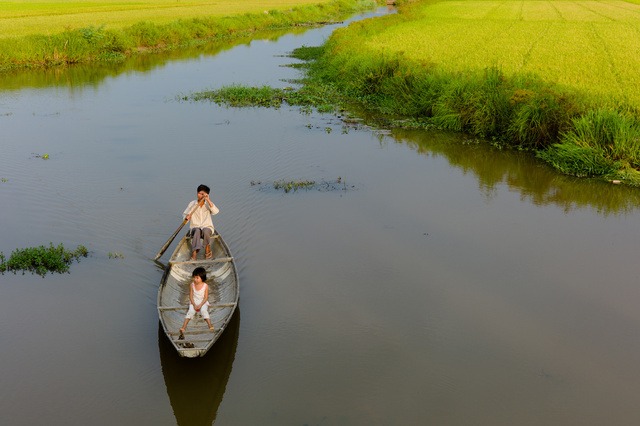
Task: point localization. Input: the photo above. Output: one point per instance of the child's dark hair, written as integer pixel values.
(204, 188)
(200, 272)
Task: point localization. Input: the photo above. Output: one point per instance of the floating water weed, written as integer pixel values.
(322, 97)
(288, 185)
(293, 185)
(40, 260)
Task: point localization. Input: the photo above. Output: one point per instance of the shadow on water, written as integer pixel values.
(521, 172)
(196, 386)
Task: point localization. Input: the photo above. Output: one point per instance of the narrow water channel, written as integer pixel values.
(441, 282)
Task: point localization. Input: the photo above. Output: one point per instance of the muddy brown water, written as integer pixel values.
(450, 283)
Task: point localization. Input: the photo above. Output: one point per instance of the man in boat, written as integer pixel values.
(199, 212)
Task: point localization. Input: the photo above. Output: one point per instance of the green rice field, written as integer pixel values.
(20, 18)
(593, 46)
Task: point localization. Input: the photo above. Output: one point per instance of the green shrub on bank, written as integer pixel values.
(599, 143)
(615, 134)
(523, 111)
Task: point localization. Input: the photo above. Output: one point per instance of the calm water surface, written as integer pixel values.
(451, 283)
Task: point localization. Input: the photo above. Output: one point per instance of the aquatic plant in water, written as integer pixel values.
(40, 260)
(288, 185)
(293, 185)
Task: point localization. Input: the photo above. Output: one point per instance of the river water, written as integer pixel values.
(439, 282)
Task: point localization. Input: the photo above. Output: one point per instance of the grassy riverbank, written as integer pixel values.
(556, 77)
(58, 32)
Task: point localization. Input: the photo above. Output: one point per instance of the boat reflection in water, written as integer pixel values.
(196, 386)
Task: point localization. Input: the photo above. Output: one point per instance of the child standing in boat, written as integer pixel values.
(201, 225)
(198, 296)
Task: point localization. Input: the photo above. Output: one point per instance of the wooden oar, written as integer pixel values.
(184, 222)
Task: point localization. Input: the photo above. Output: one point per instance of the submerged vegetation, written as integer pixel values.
(95, 41)
(40, 260)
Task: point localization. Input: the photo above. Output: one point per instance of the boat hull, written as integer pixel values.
(173, 296)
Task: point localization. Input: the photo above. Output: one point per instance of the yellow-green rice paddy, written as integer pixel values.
(589, 45)
(19, 18)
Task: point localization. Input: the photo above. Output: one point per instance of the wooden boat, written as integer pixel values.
(173, 296)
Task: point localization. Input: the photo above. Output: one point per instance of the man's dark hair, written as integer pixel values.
(204, 188)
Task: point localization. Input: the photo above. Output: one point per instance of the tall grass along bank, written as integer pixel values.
(100, 39)
(559, 78)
